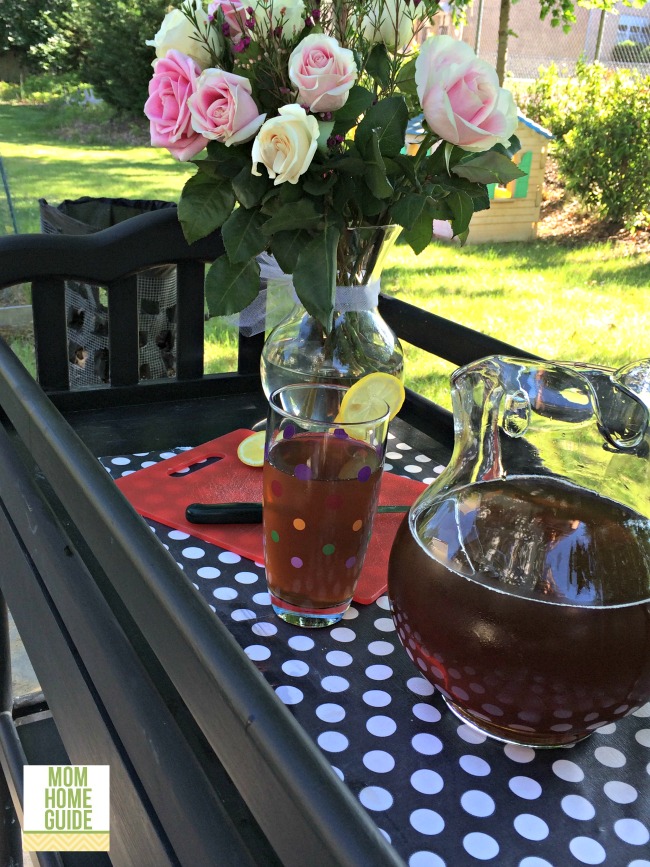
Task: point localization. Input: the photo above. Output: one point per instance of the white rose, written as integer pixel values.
(177, 32)
(286, 144)
(388, 21)
(288, 14)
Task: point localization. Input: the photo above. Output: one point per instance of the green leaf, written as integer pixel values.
(378, 64)
(205, 204)
(314, 276)
(242, 235)
(375, 174)
(293, 215)
(228, 161)
(406, 165)
(286, 246)
(488, 168)
(317, 185)
(350, 166)
(387, 118)
(406, 78)
(462, 208)
(249, 188)
(231, 287)
(358, 101)
(418, 237)
(407, 211)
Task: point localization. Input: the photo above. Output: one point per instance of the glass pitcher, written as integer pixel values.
(520, 579)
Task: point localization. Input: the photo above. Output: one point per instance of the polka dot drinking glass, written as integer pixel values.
(321, 486)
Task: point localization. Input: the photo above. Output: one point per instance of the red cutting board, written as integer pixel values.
(163, 491)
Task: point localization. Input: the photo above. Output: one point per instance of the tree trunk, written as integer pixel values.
(502, 43)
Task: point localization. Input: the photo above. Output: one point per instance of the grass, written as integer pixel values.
(586, 303)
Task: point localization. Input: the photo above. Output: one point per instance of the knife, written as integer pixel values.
(242, 513)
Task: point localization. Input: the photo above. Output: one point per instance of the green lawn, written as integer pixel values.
(585, 303)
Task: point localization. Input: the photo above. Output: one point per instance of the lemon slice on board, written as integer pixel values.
(250, 450)
(362, 400)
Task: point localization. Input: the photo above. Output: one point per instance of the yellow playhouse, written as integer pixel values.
(514, 208)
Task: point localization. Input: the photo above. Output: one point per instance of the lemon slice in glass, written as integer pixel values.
(250, 451)
(362, 401)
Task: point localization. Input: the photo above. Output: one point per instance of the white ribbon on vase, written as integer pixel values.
(277, 297)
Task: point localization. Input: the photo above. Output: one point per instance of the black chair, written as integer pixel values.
(195, 741)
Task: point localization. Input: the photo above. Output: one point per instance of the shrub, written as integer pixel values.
(631, 52)
(601, 121)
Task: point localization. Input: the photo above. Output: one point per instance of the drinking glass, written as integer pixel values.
(321, 485)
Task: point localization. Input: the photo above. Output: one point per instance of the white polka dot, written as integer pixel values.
(379, 761)
(426, 712)
(383, 602)
(262, 598)
(339, 658)
(331, 713)
(519, 754)
(420, 686)
(474, 765)
(351, 614)
(525, 788)
(427, 782)
(289, 694)
(426, 744)
(243, 614)
(295, 668)
(477, 803)
(381, 648)
(146, 464)
(257, 652)
(394, 456)
(229, 557)
(480, 846)
(425, 859)
(342, 633)
(384, 624)
(531, 827)
(534, 861)
(620, 793)
(568, 771)
(578, 807)
(639, 862)
(470, 735)
(610, 757)
(246, 577)
(413, 468)
(333, 683)
(179, 535)
(120, 462)
(385, 835)
(265, 630)
(377, 698)
(422, 459)
(375, 798)
(643, 711)
(405, 447)
(632, 831)
(643, 737)
(193, 553)
(300, 642)
(427, 821)
(338, 772)
(224, 593)
(388, 467)
(208, 572)
(379, 672)
(333, 742)
(381, 726)
(587, 851)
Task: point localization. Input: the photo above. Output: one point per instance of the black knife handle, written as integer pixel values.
(224, 513)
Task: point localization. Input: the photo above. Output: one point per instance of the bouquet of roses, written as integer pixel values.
(301, 107)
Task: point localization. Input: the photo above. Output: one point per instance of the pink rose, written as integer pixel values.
(461, 97)
(222, 107)
(234, 14)
(174, 81)
(322, 71)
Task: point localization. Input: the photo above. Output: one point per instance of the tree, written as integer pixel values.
(24, 23)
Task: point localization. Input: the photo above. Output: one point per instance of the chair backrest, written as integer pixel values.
(112, 259)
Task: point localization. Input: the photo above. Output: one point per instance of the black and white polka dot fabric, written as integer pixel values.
(440, 792)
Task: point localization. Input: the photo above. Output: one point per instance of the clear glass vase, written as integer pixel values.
(299, 349)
